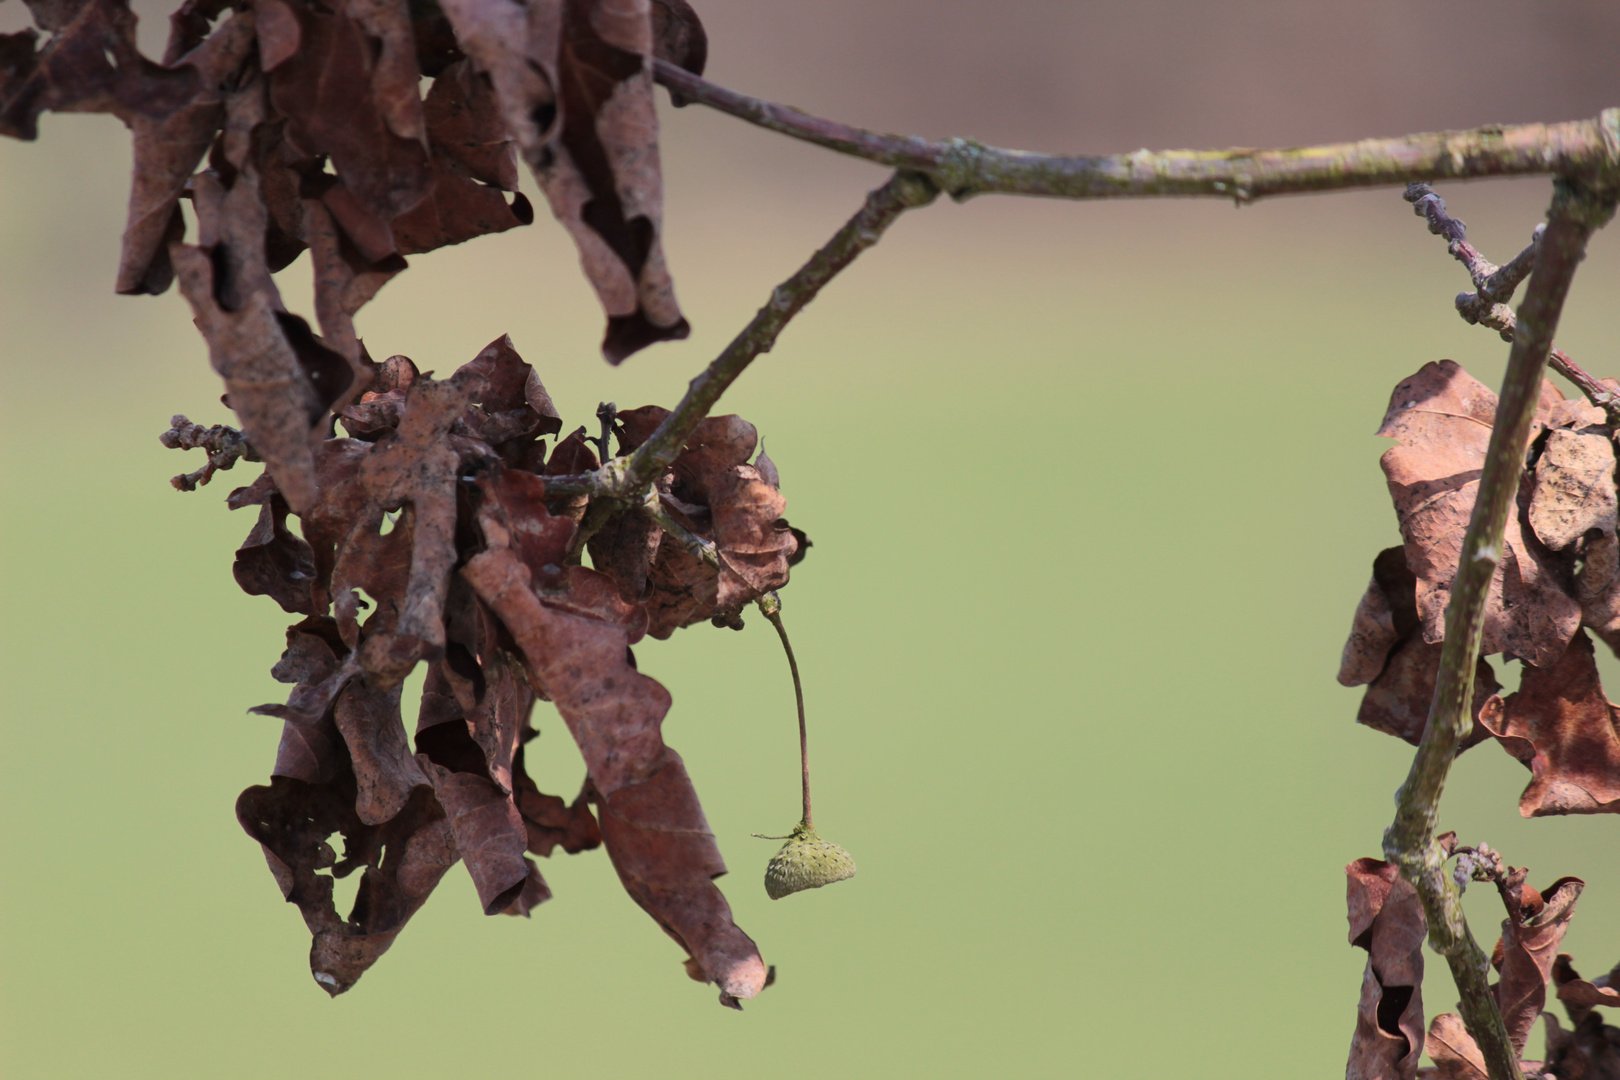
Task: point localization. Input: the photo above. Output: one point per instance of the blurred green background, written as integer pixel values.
(1093, 492)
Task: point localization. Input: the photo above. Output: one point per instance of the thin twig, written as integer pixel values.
(1409, 842)
(883, 205)
(1494, 287)
(225, 445)
(704, 550)
(625, 480)
(771, 606)
(964, 168)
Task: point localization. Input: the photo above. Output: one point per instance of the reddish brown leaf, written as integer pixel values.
(1401, 682)
(574, 83)
(1397, 702)
(273, 562)
(167, 152)
(659, 841)
(717, 495)
(466, 130)
(1531, 934)
(1562, 727)
(1455, 1054)
(550, 822)
(89, 64)
(1373, 633)
(1442, 417)
(403, 860)
(349, 91)
(414, 469)
(678, 35)
(514, 404)
(571, 455)
(661, 845)
(378, 410)
(321, 664)
(1387, 920)
(489, 834)
(1591, 1051)
(1578, 994)
(473, 163)
(385, 771)
(345, 281)
(279, 380)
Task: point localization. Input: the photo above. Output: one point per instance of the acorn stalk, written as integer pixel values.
(806, 861)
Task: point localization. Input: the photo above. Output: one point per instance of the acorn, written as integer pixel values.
(806, 861)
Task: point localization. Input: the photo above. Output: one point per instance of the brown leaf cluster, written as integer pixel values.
(431, 539)
(1525, 958)
(1558, 578)
(292, 125)
(1387, 920)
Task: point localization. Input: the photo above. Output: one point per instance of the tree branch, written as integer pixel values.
(1495, 286)
(621, 478)
(963, 167)
(1576, 212)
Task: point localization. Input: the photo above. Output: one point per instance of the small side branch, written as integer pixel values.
(965, 168)
(225, 445)
(1577, 211)
(1494, 287)
(885, 204)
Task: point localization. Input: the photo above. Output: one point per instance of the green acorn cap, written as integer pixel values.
(806, 861)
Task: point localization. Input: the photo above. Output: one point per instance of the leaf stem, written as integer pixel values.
(1577, 211)
(771, 605)
(965, 168)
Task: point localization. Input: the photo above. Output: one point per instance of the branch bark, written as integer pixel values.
(964, 168)
(1577, 211)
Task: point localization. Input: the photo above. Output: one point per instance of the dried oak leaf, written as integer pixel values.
(1563, 728)
(1387, 920)
(574, 83)
(469, 759)
(1386, 650)
(473, 164)
(378, 410)
(679, 37)
(1455, 1054)
(279, 379)
(514, 408)
(402, 859)
(1591, 1050)
(321, 664)
(571, 456)
(346, 79)
(90, 63)
(413, 469)
(714, 492)
(1441, 418)
(273, 562)
(345, 280)
(1531, 934)
(1578, 994)
(167, 152)
(386, 772)
(657, 838)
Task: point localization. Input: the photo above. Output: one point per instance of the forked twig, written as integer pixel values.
(1494, 285)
